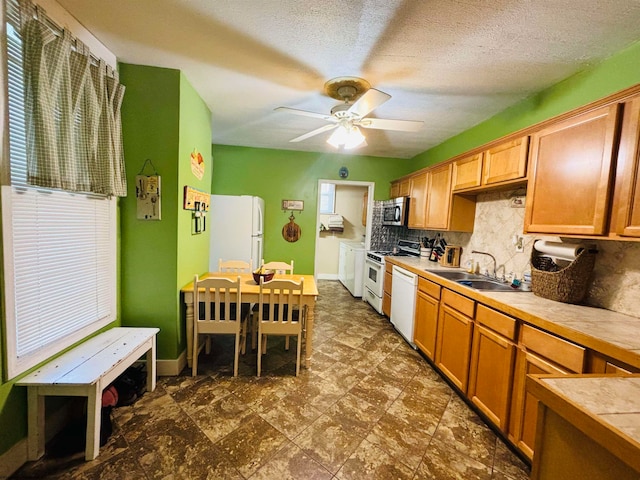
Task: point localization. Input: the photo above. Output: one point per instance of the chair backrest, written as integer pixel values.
(216, 304)
(234, 266)
(280, 301)
(279, 267)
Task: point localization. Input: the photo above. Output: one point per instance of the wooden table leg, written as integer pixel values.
(308, 351)
(188, 300)
(94, 420)
(151, 366)
(35, 424)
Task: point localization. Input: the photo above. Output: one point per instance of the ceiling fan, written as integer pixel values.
(359, 99)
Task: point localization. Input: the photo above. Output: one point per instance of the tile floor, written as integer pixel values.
(369, 407)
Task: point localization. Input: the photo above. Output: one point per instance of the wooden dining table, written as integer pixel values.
(250, 292)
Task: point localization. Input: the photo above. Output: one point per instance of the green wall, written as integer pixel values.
(614, 74)
(163, 119)
(277, 175)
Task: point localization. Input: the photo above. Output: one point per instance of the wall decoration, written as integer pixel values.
(343, 172)
(196, 199)
(293, 205)
(291, 231)
(198, 202)
(148, 206)
(197, 164)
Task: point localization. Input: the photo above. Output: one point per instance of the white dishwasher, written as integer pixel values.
(403, 302)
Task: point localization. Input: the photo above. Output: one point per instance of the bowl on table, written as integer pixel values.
(266, 275)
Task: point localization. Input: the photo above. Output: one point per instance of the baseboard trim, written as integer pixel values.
(327, 276)
(167, 368)
(13, 459)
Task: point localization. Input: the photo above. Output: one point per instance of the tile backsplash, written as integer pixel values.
(616, 278)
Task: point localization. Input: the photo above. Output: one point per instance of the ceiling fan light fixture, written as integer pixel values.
(346, 136)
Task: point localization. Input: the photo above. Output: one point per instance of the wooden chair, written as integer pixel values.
(279, 267)
(280, 312)
(218, 310)
(234, 266)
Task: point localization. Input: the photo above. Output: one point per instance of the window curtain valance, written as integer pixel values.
(72, 112)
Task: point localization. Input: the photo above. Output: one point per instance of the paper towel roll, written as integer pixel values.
(559, 250)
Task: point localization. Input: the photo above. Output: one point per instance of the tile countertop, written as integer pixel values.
(607, 332)
(607, 408)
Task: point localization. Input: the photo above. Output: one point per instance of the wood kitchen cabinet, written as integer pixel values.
(507, 161)
(627, 188)
(386, 295)
(538, 352)
(418, 200)
(432, 207)
(492, 363)
(426, 316)
(400, 188)
(570, 177)
(455, 330)
(365, 207)
(467, 172)
(502, 163)
(438, 197)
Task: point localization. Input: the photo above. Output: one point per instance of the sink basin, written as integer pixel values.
(488, 285)
(456, 275)
(471, 280)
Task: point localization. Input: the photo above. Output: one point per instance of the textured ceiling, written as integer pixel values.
(450, 64)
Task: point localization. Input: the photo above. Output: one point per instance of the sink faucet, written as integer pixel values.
(492, 258)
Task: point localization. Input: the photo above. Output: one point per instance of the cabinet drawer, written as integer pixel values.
(560, 351)
(496, 321)
(462, 304)
(430, 288)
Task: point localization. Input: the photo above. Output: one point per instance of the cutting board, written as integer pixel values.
(291, 231)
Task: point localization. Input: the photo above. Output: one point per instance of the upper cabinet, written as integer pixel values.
(400, 188)
(504, 163)
(432, 207)
(626, 212)
(438, 197)
(570, 177)
(418, 200)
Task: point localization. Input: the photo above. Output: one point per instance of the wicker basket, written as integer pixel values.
(563, 284)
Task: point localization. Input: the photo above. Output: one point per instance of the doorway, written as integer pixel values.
(352, 203)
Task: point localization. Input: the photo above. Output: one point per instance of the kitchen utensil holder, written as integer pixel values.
(563, 284)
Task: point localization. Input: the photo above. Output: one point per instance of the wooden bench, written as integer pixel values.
(86, 371)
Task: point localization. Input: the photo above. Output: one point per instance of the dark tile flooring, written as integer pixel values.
(369, 407)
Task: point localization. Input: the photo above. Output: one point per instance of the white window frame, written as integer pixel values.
(105, 312)
(329, 197)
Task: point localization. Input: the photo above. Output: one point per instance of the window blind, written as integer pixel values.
(59, 247)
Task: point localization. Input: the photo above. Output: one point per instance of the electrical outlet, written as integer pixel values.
(517, 202)
(518, 241)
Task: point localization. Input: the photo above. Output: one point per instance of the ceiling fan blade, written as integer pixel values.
(386, 124)
(371, 99)
(312, 133)
(305, 113)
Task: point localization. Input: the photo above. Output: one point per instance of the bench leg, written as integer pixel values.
(151, 366)
(36, 416)
(94, 418)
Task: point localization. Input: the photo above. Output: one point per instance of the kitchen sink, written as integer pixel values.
(472, 280)
(488, 285)
(456, 275)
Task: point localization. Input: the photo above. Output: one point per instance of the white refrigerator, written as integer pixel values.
(236, 224)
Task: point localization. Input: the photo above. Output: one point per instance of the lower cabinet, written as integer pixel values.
(455, 330)
(386, 295)
(492, 363)
(426, 318)
(539, 352)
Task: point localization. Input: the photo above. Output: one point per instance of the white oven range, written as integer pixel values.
(374, 271)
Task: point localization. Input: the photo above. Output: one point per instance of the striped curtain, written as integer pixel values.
(72, 113)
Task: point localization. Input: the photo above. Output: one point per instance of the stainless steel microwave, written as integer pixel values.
(395, 211)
